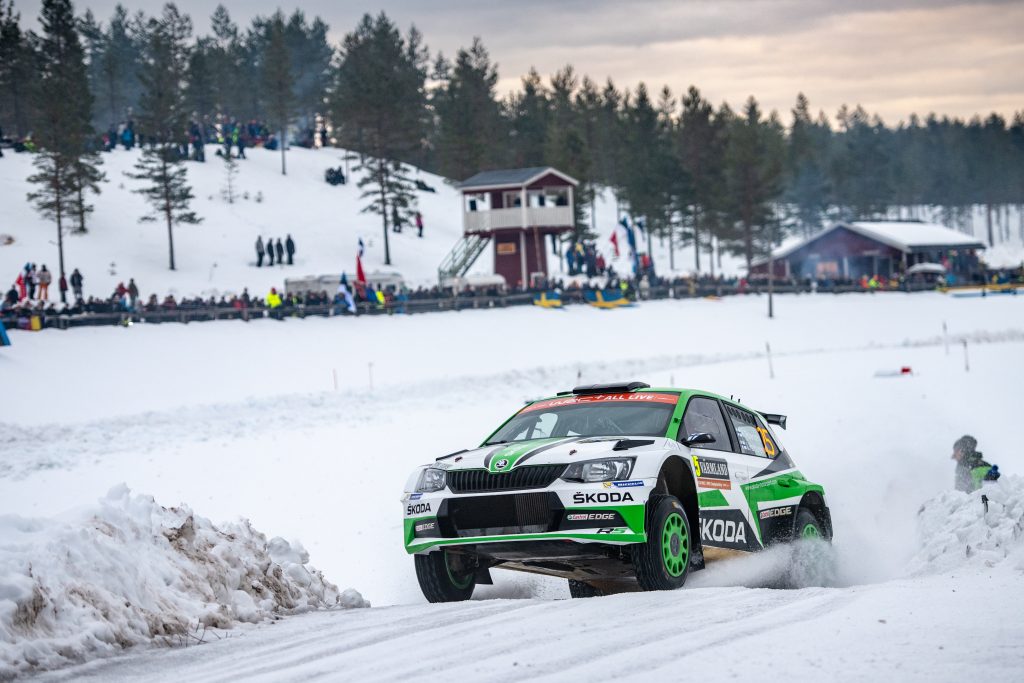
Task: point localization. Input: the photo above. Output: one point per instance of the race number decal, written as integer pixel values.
(769, 445)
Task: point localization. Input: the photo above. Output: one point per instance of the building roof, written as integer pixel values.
(906, 236)
(511, 177)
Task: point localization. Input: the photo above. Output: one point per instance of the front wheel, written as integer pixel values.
(662, 562)
(444, 576)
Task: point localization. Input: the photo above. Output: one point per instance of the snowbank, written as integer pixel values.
(954, 529)
(129, 571)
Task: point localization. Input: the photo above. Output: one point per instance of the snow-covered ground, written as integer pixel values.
(241, 419)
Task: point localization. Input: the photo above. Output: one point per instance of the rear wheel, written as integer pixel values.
(807, 526)
(582, 589)
(444, 576)
(664, 560)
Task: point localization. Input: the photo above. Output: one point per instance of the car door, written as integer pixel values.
(720, 473)
(758, 452)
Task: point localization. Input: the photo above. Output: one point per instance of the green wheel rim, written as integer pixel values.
(810, 531)
(452, 574)
(675, 545)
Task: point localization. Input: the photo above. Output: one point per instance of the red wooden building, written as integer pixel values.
(516, 209)
(885, 248)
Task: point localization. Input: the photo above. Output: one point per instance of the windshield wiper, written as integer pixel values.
(495, 443)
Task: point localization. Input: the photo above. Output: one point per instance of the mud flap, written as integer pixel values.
(483, 576)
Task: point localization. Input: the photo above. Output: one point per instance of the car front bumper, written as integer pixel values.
(608, 513)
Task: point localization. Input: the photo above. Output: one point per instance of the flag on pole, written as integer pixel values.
(360, 275)
(362, 247)
(615, 242)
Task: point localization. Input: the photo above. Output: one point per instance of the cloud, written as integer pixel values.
(895, 57)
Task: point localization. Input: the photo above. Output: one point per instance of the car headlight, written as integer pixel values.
(610, 469)
(431, 480)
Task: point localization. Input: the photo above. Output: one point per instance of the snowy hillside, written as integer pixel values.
(218, 255)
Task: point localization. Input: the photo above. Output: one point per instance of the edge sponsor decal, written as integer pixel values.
(602, 398)
(418, 508)
(726, 529)
(581, 497)
(776, 512)
(588, 519)
(712, 473)
(589, 516)
(426, 526)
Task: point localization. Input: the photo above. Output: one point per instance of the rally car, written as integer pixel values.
(612, 487)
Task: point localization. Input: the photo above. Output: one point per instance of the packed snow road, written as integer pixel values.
(933, 629)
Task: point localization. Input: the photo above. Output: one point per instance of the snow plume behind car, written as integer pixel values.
(129, 571)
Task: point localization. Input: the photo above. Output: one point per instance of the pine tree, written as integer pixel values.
(230, 190)
(85, 178)
(380, 103)
(164, 118)
(64, 171)
(469, 123)
(18, 67)
(277, 80)
(565, 147)
(699, 147)
(807, 182)
(528, 113)
(753, 176)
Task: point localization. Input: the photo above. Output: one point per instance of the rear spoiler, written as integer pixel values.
(775, 419)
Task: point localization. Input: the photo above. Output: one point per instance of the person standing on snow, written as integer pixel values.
(270, 251)
(280, 252)
(289, 247)
(260, 252)
(419, 224)
(76, 284)
(44, 277)
(971, 468)
(133, 291)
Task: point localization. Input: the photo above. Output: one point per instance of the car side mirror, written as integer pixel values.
(698, 438)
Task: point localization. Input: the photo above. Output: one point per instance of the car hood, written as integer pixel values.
(509, 456)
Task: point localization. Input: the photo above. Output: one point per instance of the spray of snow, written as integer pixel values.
(129, 571)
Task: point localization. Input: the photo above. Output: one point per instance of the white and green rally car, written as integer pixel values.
(607, 486)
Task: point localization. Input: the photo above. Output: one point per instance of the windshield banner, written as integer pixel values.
(601, 398)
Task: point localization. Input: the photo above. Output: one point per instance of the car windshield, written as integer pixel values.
(644, 414)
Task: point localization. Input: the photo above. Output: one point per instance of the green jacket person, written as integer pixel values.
(971, 468)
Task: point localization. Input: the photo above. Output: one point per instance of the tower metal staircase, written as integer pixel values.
(462, 256)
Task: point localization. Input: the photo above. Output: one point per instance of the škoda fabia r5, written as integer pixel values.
(609, 486)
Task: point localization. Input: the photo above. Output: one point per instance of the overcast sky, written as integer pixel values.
(956, 57)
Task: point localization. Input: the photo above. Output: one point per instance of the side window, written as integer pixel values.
(704, 415)
(752, 437)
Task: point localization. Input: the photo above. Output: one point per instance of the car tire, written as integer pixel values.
(808, 526)
(582, 589)
(663, 562)
(441, 579)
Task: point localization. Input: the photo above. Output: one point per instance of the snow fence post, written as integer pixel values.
(967, 363)
(768, 352)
